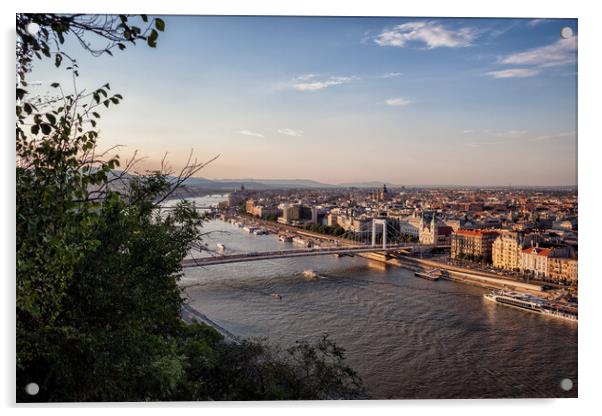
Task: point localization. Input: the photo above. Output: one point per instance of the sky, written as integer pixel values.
(410, 101)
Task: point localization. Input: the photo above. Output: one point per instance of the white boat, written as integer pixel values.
(533, 304)
(310, 274)
(515, 300)
(285, 238)
(221, 247)
(569, 314)
(276, 296)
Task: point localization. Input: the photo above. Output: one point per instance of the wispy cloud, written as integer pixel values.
(392, 75)
(314, 82)
(567, 135)
(251, 133)
(430, 33)
(536, 22)
(467, 131)
(561, 52)
(514, 73)
(399, 101)
(508, 133)
(290, 132)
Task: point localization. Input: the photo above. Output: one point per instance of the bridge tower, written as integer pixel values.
(382, 222)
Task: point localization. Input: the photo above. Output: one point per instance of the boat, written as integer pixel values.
(429, 275)
(300, 241)
(285, 238)
(221, 247)
(276, 296)
(249, 229)
(566, 313)
(310, 274)
(260, 231)
(533, 304)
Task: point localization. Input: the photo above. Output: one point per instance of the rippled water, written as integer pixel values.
(407, 337)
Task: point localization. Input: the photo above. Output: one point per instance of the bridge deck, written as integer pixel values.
(270, 255)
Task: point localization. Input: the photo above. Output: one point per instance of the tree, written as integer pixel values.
(97, 263)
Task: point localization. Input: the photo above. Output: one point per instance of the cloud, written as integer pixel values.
(431, 33)
(514, 73)
(290, 132)
(569, 134)
(537, 22)
(508, 133)
(399, 102)
(467, 131)
(561, 52)
(314, 82)
(251, 133)
(392, 75)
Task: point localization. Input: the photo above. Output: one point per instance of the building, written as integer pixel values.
(535, 261)
(433, 233)
(410, 226)
(250, 206)
(298, 215)
(237, 197)
(562, 270)
(507, 247)
(473, 244)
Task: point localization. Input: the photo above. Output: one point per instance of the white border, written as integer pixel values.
(589, 193)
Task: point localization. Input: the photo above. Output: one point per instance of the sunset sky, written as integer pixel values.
(402, 100)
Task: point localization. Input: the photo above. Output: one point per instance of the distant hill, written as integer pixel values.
(256, 184)
(371, 184)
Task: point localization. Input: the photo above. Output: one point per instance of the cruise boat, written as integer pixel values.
(566, 313)
(516, 300)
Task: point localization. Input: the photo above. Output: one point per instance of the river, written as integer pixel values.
(407, 337)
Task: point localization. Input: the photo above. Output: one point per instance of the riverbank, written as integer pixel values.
(190, 315)
(454, 273)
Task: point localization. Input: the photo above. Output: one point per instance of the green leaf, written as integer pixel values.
(160, 24)
(51, 118)
(46, 128)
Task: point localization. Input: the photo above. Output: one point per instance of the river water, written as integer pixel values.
(407, 337)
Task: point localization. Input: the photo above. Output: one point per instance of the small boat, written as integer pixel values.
(428, 275)
(310, 274)
(221, 247)
(285, 238)
(276, 296)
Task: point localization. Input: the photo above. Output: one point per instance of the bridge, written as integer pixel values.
(304, 252)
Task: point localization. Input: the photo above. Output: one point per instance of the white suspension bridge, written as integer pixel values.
(378, 243)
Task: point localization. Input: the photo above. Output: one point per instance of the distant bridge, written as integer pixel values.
(304, 252)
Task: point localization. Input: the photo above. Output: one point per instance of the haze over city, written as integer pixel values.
(339, 100)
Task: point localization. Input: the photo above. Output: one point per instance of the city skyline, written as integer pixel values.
(478, 102)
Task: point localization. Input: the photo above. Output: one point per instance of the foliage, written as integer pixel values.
(97, 264)
(254, 370)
